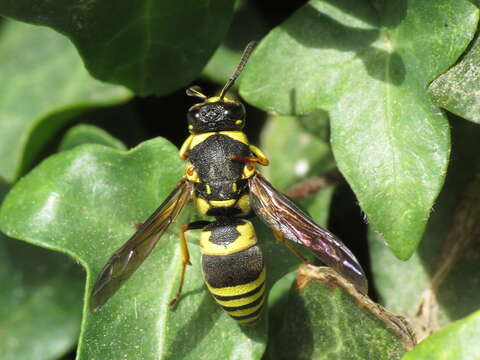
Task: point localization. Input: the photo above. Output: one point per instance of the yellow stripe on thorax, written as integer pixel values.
(238, 289)
(245, 240)
(199, 138)
(235, 135)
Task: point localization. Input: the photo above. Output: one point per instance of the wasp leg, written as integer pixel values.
(253, 159)
(259, 157)
(281, 238)
(259, 154)
(185, 256)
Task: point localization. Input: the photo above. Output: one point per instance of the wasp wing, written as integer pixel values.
(281, 214)
(130, 256)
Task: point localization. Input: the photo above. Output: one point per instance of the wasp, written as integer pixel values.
(222, 180)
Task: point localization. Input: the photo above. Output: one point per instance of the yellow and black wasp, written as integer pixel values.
(221, 178)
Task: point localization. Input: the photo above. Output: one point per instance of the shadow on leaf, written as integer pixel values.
(318, 30)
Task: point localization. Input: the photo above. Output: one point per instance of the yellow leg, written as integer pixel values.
(260, 155)
(185, 262)
(185, 256)
(281, 238)
(261, 161)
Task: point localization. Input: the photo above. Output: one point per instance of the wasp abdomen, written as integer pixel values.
(233, 267)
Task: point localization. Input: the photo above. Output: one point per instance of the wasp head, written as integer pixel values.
(216, 114)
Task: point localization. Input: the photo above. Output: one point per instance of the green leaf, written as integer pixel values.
(247, 25)
(294, 154)
(368, 67)
(41, 292)
(458, 89)
(88, 134)
(306, 158)
(85, 202)
(458, 341)
(442, 274)
(151, 46)
(40, 302)
(44, 86)
(327, 319)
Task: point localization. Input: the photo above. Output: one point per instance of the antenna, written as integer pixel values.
(246, 54)
(196, 92)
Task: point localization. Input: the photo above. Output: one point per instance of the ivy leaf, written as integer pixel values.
(459, 341)
(367, 66)
(151, 46)
(40, 302)
(325, 318)
(88, 134)
(458, 90)
(85, 202)
(247, 25)
(44, 86)
(41, 291)
(443, 270)
(306, 154)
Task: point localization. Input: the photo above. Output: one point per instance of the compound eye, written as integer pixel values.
(235, 111)
(193, 116)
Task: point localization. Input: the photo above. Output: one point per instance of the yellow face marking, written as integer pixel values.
(234, 187)
(209, 189)
(244, 203)
(247, 311)
(239, 289)
(245, 240)
(242, 301)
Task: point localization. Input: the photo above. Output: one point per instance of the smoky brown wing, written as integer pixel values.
(281, 214)
(130, 256)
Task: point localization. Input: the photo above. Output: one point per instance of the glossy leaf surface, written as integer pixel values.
(366, 65)
(44, 86)
(437, 285)
(88, 134)
(85, 202)
(41, 302)
(151, 46)
(459, 341)
(293, 158)
(458, 90)
(326, 320)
